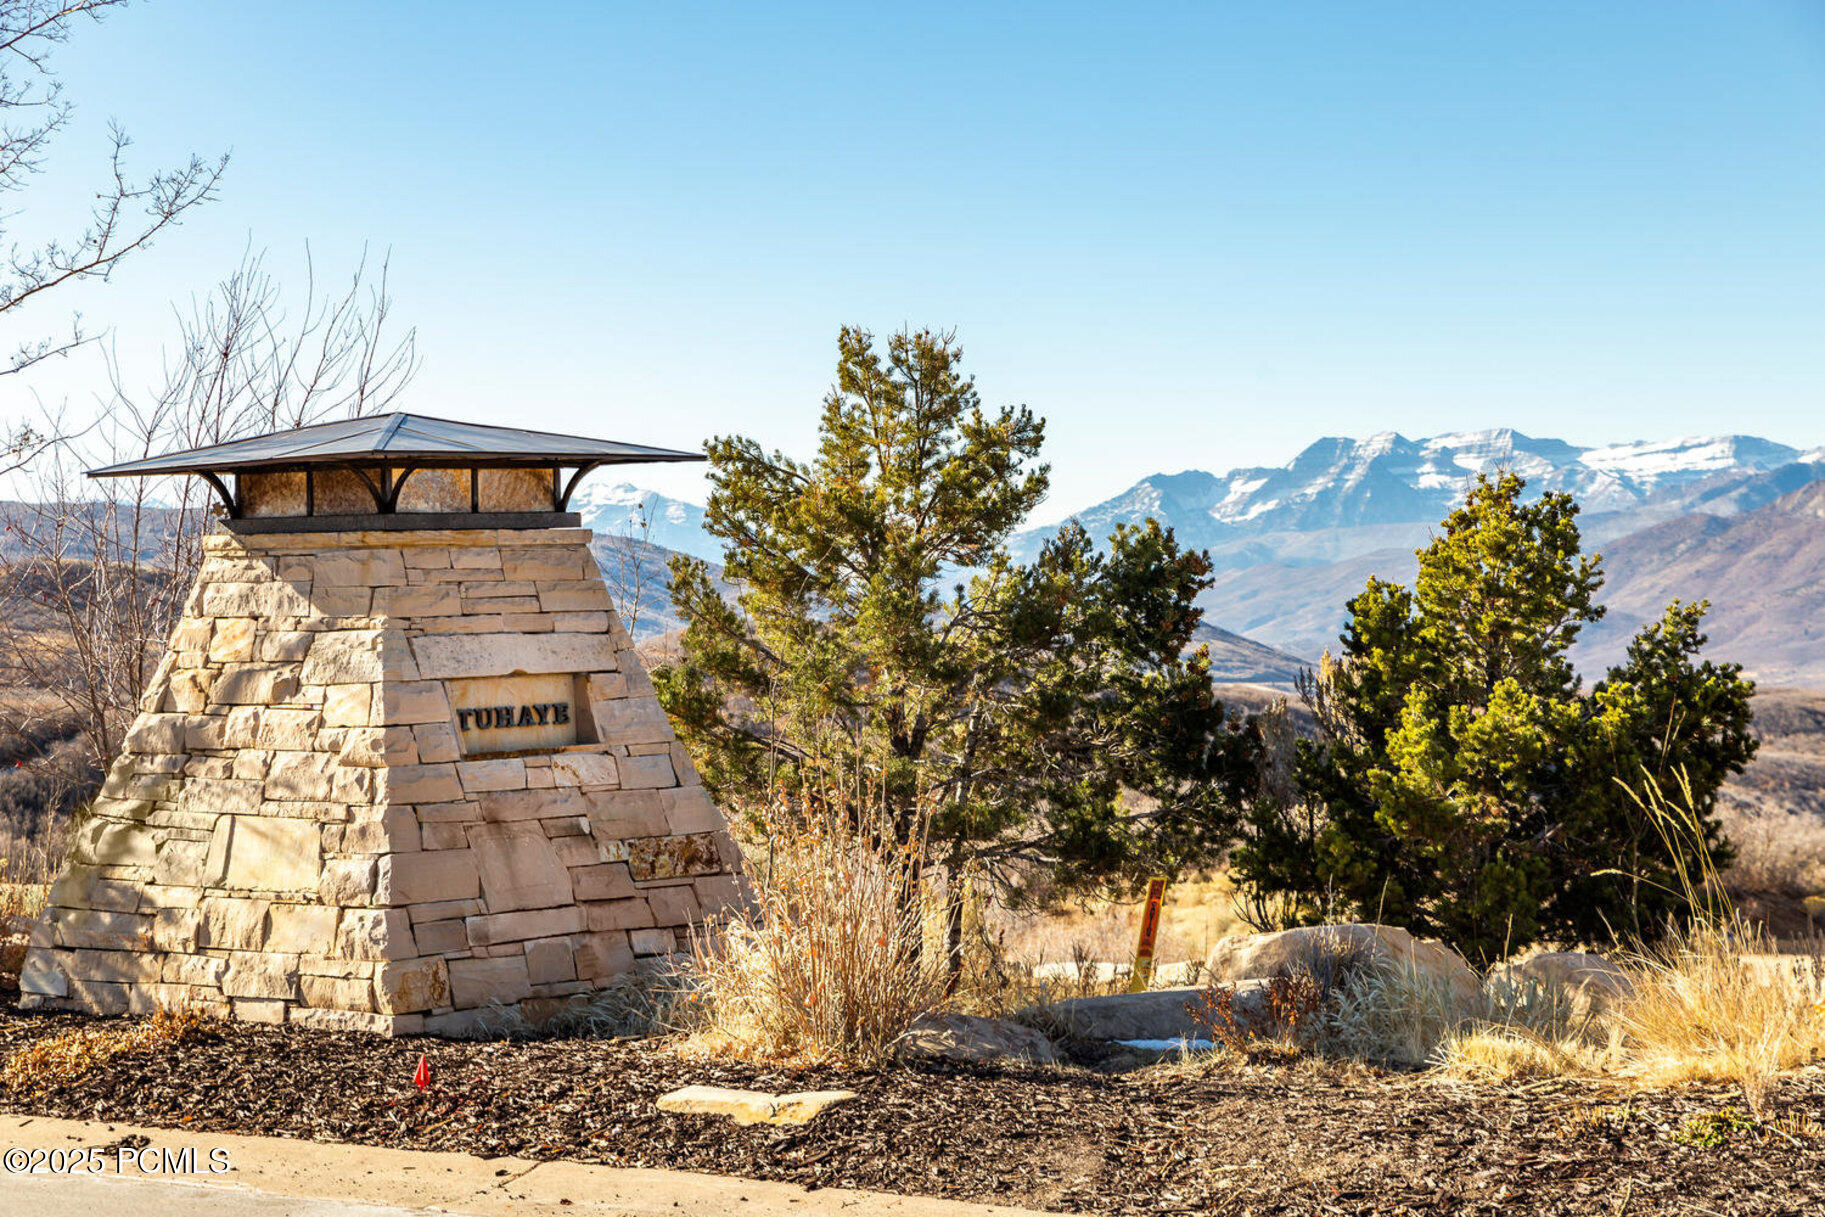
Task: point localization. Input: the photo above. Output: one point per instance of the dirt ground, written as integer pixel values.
(1093, 1137)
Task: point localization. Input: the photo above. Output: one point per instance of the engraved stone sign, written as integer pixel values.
(517, 713)
(401, 765)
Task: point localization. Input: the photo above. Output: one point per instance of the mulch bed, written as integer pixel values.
(1261, 1139)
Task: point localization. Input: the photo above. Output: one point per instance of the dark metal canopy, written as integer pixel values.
(396, 439)
(383, 452)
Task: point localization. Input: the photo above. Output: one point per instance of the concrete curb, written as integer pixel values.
(416, 1180)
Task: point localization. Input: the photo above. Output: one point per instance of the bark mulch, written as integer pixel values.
(1253, 1140)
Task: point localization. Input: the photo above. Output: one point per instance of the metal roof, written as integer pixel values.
(396, 439)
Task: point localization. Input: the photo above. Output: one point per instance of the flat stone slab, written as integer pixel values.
(754, 1106)
(1160, 1014)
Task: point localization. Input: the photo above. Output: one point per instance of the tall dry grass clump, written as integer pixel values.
(26, 870)
(1713, 1004)
(830, 962)
(1521, 1029)
(1712, 1000)
(1386, 1012)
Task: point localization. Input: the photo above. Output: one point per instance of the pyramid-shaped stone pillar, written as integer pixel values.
(389, 780)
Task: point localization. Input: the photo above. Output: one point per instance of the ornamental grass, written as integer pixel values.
(829, 963)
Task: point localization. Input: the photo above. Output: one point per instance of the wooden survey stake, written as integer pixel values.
(1142, 972)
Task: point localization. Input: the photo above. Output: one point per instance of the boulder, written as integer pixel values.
(1160, 1014)
(1592, 982)
(1262, 956)
(963, 1037)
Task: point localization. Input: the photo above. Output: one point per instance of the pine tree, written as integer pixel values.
(1044, 721)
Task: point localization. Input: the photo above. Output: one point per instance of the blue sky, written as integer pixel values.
(1190, 236)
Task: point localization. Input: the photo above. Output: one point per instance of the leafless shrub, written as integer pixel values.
(626, 567)
(1776, 851)
(93, 576)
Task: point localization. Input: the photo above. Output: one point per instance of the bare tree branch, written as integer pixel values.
(92, 579)
(129, 211)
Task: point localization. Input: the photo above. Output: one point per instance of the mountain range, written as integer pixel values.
(1342, 497)
(1735, 519)
(618, 509)
(1732, 519)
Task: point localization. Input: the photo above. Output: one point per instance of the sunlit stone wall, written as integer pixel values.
(313, 821)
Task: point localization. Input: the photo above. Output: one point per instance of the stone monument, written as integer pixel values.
(400, 766)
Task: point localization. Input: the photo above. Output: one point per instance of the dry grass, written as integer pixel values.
(1702, 1008)
(831, 964)
(1522, 1029)
(1501, 1054)
(20, 899)
(1705, 1010)
(26, 870)
(1392, 1014)
(1777, 850)
(1197, 913)
(1709, 1002)
(70, 1054)
(1706, 1006)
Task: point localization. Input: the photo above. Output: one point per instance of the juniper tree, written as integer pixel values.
(1465, 785)
(1047, 718)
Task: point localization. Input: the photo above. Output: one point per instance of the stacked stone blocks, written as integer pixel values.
(294, 832)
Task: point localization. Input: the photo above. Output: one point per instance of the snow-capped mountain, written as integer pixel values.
(618, 509)
(1719, 517)
(1343, 497)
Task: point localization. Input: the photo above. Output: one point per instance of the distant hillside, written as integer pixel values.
(1297, 608)
(640, 584)
(1763, 571)
(1235, 659)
